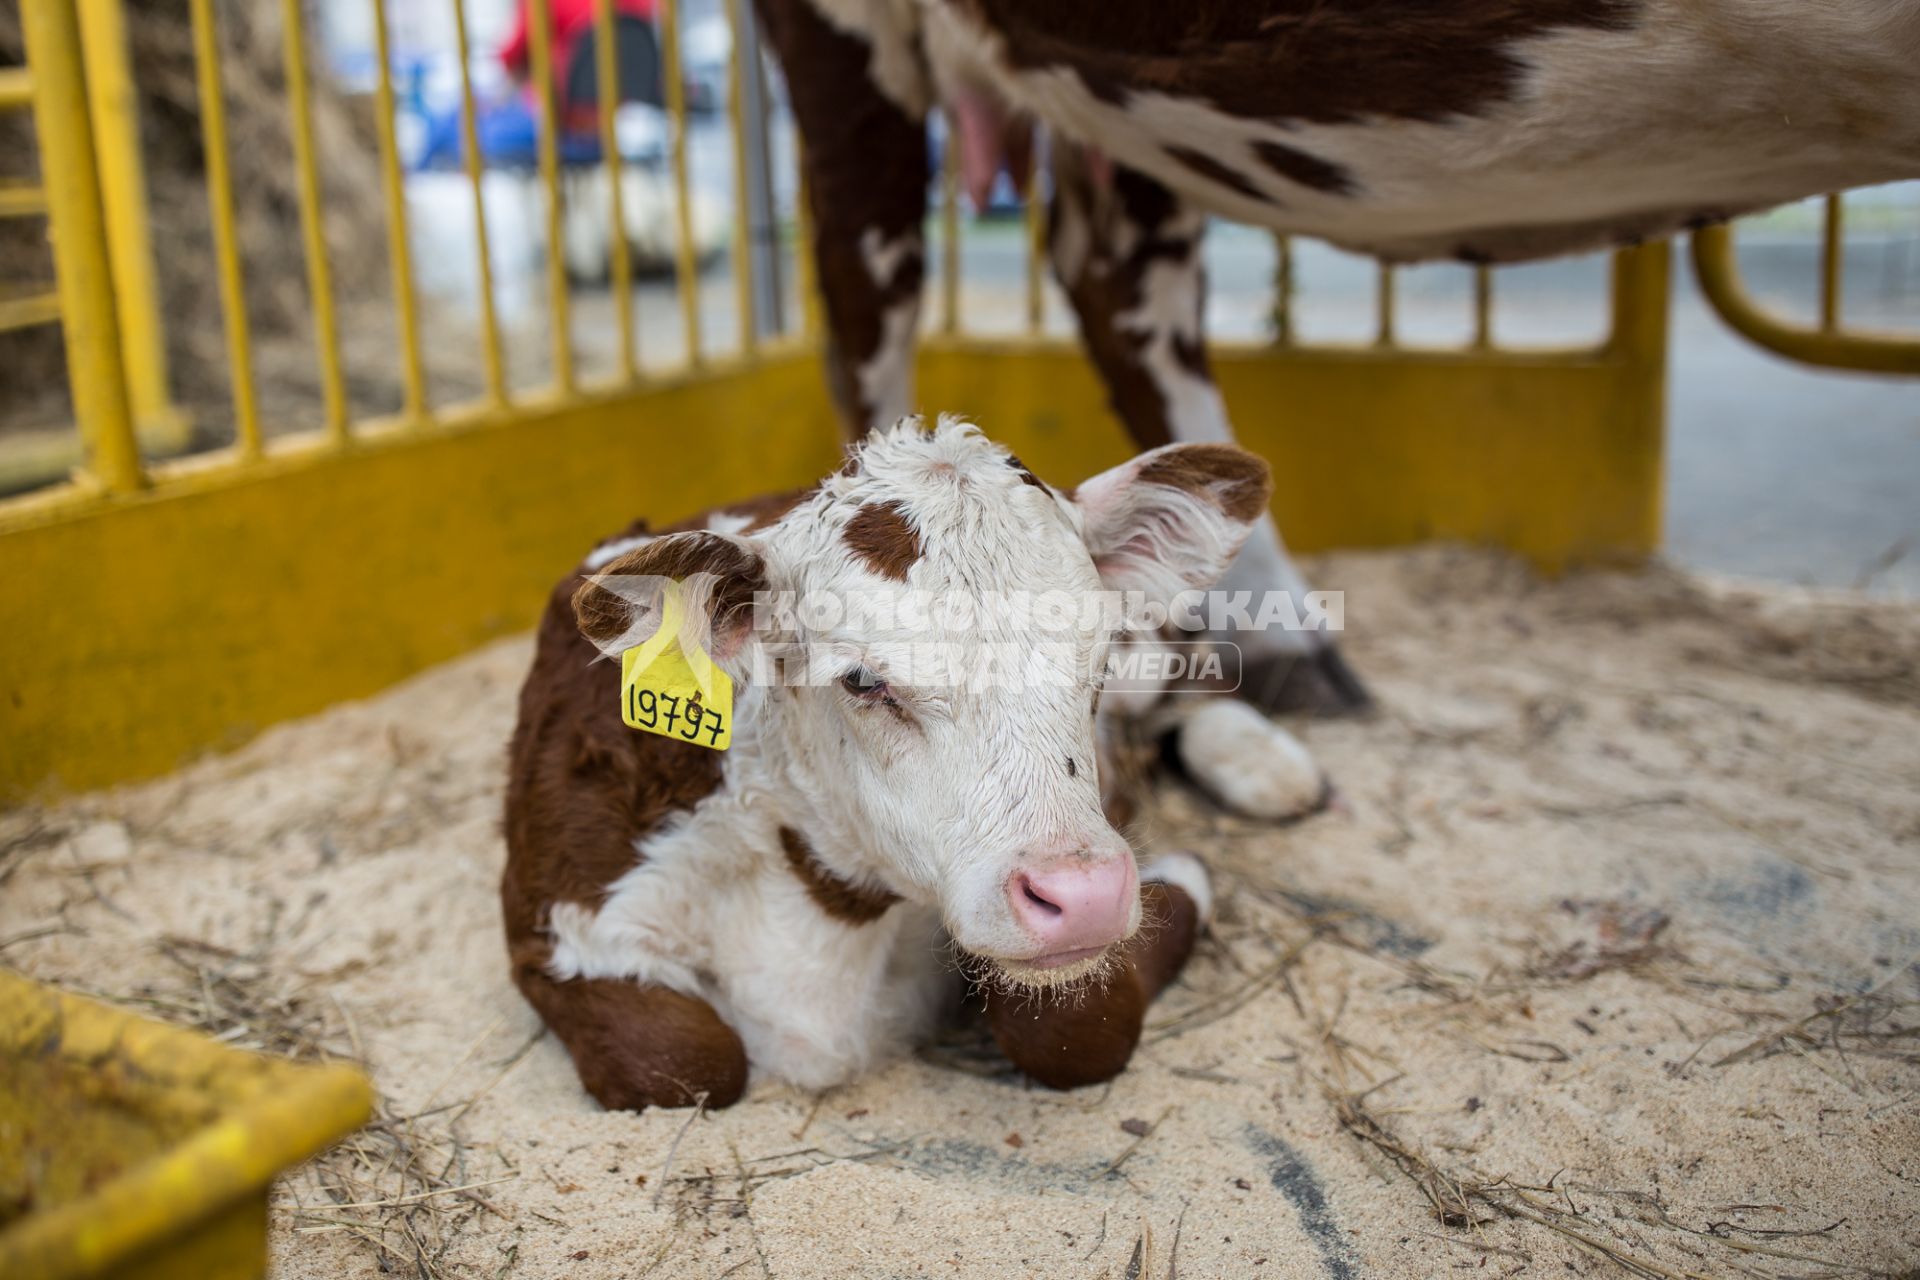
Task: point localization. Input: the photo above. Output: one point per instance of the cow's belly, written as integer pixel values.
(1600, 135)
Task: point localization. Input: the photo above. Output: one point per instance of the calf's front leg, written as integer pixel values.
(637, 1046)
(1087, 1037)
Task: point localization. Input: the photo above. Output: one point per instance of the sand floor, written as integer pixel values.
(1604, 959)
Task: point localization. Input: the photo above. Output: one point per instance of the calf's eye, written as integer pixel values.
(862, 683)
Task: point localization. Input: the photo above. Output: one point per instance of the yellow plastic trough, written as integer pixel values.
(132, 1149)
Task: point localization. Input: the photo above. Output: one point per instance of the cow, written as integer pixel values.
(1477, 130)
(875, 851)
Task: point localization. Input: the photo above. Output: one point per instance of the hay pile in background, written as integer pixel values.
(33, 394)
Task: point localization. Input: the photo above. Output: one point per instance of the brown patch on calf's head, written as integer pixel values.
(1309, 171)
(1238, 482)
(845, 902)
(884, 539)
(1218, 171)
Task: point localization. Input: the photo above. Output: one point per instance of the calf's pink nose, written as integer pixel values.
(1075, 907)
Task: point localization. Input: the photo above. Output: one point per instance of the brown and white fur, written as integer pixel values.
(1482, 130)
(793, 906)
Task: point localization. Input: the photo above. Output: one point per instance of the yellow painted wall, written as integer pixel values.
(1559, 460)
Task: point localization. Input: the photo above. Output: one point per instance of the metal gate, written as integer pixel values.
(1831, 343)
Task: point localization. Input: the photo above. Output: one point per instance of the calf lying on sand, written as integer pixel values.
(871, 846)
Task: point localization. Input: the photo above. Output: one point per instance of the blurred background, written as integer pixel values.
(1774, 471)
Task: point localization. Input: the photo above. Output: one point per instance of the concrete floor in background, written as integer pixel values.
(1779, 472)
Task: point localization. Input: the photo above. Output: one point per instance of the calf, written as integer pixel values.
(1482, 130)
(813, 898)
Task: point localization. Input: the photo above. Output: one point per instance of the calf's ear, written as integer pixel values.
(1172, 519)
(621, 605)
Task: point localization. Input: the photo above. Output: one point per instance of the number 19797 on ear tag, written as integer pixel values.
(673, 688)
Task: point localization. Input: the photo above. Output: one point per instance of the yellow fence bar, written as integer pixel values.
(1384, 301)
(1716, 266)
(1283, 290)
(22, 200)
(950, 230)
(123, 195)
(399, 250)
(27, 310)
(685, 269)
(607, 65)
(326, 330)
(1482, 308)
(742, 232)
(539, 54)
(803, 261)
(85, 274)
(1036, 227)
(476, 178)
(226, 239)
(1832, 228)
(16, 88)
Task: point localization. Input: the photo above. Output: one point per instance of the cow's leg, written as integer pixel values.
(1086, 1037)
(1128, 255)
(637, 1046)
(860, 100)
(1244, 760)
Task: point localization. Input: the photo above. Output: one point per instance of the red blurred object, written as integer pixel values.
(571, 19)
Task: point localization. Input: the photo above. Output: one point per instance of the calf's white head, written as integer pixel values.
(917, 686)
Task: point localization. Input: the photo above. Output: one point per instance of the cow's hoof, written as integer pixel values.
(1316, 684)
(1248, 763)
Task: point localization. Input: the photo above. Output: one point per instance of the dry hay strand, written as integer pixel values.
(1463, 1201)
(408, 1185)
(1626, 937)
(1875, 1023)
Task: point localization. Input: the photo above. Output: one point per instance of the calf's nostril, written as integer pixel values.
(1051, 908)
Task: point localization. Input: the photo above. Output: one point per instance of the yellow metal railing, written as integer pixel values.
(226, 237)
(476, 173)
(20, 309)
(82, 266)
(112, 103)
(78, 85)
(326, 326)
(1829, 343)
(606, 77)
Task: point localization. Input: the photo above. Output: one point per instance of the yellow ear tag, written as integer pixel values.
(670, 686)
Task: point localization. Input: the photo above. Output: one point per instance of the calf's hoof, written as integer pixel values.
(1248, 763)
(1316, 684)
